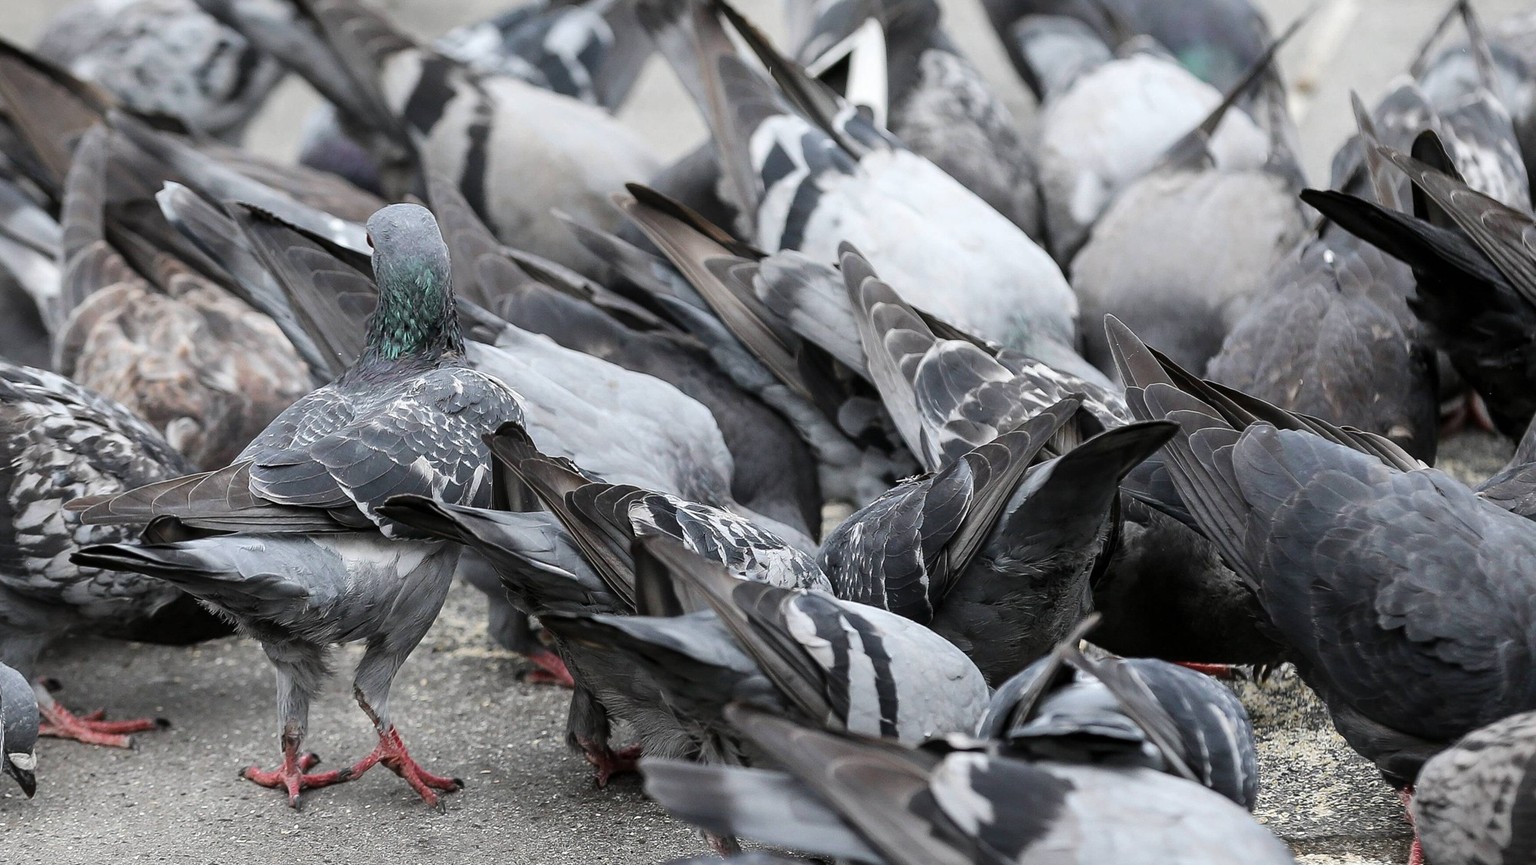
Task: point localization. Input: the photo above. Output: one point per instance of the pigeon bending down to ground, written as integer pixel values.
(18, 729)
(60, 441)
(872, 801)
(1391, 584)
(1475, 803)
(164, 57)
(1091, 707)
(287, 541)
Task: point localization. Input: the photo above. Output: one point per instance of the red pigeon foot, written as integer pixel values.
(550, 670)
(1223, 672)
(60, 723)
(391, 752)
(610, 762)
(293, 775)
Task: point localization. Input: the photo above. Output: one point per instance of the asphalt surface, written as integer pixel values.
(460, 702)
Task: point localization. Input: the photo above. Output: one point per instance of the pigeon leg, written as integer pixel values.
(391, 752)
(550, 669)
(587, 729)
(1222, 672)
(300, 668)
(609, 762)
(60, 723)
(1416, 852)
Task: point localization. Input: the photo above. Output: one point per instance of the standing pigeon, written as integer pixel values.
(1474, 803)
(305, 560)
(18, 729)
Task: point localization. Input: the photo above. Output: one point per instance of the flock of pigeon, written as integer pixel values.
(618, 396)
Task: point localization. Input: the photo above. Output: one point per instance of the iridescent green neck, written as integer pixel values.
(416, 316)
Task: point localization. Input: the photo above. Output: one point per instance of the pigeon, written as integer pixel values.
(924, 89)
(60, 441)
(829, 661)
(163, 57)
(18, 729)
(1425, 599)
(1473, 801)
(1470, 262)
(427, 113)
(1088, 706)
(809, 172)
(1107, 125)
(843, 796)
(591, 51)
(288, 542)
(990, 553)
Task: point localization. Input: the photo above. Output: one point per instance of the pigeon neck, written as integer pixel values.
(416, 316)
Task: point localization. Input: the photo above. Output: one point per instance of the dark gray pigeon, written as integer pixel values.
(1474, 804)
(310, 561)
(879, 802)
(1402, 597)
(60, 441)
(1092, 707)
(18, 729)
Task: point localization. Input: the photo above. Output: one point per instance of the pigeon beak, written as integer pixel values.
(20, 766)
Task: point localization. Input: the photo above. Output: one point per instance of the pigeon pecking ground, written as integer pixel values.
(528, 799)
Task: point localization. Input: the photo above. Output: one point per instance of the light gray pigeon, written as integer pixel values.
(310, 561)
(1474, 803)
(425, 113)
(811, 172)
(18, 729)
(163, 57)
(842, 796)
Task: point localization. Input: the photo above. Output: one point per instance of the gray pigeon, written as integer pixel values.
(425, 113)
(60, 441)
(897, 59)
(1474, 803)
(18, 729)
(163, 57)
(819, 173)
(311, 562)
(879, 802)
(1091, 707)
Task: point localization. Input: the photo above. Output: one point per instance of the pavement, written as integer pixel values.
(461, 704)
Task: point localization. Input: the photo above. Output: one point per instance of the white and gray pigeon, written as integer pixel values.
(18, 729)
(60, 441)
(810, 172)
(163, 57)
(842, 796)
(1474, 803)
(1107, 120)
(897, 59)
(592, 51)
(426, 113)
(1088, 706)
(288, 541)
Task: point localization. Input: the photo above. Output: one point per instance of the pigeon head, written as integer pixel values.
(18, 729)
(416, 316)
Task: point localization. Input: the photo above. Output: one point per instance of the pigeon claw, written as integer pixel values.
(609, 762)
(392, 753)
(549, 669)
(93, 728)
(294, 776)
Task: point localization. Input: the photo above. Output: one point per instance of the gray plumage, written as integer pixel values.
(406, 417)
(853, 797)
(810, 173)
(1474, 804)
(18, 729)
(1414, 632)
(163, 57)
(1090, 707)
(471, 126)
